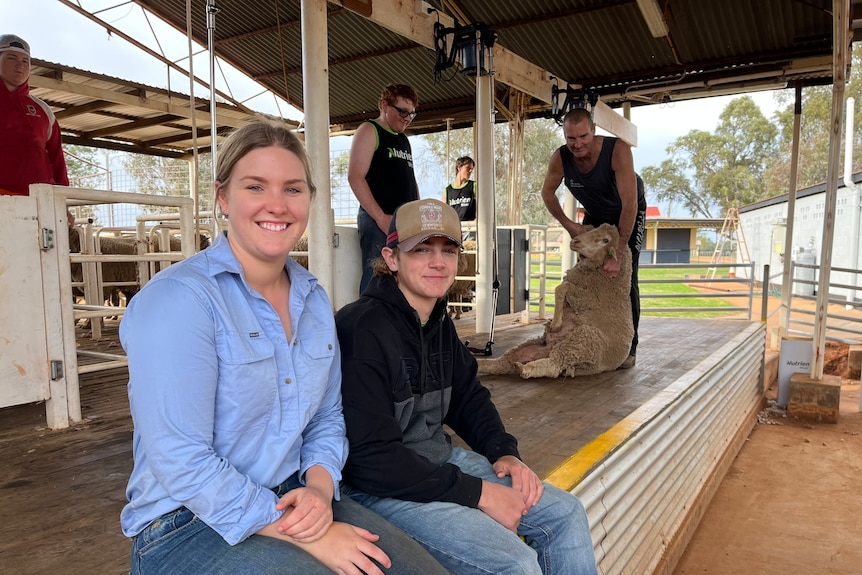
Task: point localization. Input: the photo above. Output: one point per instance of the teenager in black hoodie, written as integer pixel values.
(405, 374)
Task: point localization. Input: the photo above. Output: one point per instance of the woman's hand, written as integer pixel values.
(346, 549)
(308, 514)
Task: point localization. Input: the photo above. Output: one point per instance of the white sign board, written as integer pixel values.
(794, 357)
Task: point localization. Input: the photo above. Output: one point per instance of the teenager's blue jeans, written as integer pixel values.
(468, 542)
(179, 542)
(371, 241)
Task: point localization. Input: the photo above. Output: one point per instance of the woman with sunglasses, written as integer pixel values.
(380, 171)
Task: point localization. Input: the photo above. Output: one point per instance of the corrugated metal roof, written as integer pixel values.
(713, 46)
(602, 44)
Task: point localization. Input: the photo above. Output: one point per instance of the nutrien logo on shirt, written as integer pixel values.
(400, 154)
(431, 217)
(574, 184)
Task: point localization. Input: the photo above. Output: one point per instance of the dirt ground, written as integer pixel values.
(791, 502)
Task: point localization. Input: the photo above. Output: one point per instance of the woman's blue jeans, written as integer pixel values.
(179, 542)
(556, 534)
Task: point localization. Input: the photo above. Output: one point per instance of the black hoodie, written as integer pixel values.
(399, 379)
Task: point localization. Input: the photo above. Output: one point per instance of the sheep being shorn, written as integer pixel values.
(592, 329)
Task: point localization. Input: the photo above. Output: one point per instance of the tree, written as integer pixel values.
(669, 184)
(815, 123)
(169, 177)
(748, 146)
(707, 244)
(709, 173)
(541, 138)
(84, 165)
(460, 143)
(85, 171)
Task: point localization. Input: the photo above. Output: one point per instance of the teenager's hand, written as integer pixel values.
(503, 504)
(524, 480)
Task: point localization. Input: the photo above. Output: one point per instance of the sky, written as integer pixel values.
(58, 34)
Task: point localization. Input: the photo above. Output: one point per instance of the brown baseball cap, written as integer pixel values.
(414, 222)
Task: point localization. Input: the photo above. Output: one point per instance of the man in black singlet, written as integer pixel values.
(599, 172)
(380, 171)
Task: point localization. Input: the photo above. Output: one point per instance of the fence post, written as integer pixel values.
(764, 295)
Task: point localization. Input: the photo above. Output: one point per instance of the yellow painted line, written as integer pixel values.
(572, 471)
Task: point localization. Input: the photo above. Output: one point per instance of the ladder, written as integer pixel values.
(730, 230)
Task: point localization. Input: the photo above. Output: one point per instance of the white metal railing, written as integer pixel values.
(148, 250)
(805, 288)
(469, 233)
(549, 272)
(90, 256)
(538, 255)
(747, 280)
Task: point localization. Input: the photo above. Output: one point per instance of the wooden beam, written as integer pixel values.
(607, 119)
(130, 100)
(134, 147)
(510, 68)
(87, 108)
(164, 119)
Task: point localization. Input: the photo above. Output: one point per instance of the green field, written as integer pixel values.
(647, 289)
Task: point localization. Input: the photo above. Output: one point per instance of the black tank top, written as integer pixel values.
(390, 175)
(596, 189)
(463, 199)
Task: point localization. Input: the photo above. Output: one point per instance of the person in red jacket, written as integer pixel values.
(30, 149)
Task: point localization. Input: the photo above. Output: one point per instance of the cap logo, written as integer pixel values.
(431, 217)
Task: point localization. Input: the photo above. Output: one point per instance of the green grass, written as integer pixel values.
(553, 268)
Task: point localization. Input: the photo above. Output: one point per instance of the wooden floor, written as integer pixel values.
(61, 492)
(555, 418)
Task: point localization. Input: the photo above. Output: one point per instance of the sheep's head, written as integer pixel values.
(597, 244)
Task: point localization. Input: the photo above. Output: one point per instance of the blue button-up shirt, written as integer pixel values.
(224, 407)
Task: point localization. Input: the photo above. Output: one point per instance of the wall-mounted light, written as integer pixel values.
(473, 45)
(654, 18)
(565, 100)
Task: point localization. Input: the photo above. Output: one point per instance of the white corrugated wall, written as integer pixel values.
(638, 497)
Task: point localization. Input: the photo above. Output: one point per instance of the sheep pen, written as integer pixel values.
(112, 272)
(463, 290)
(592, 329)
